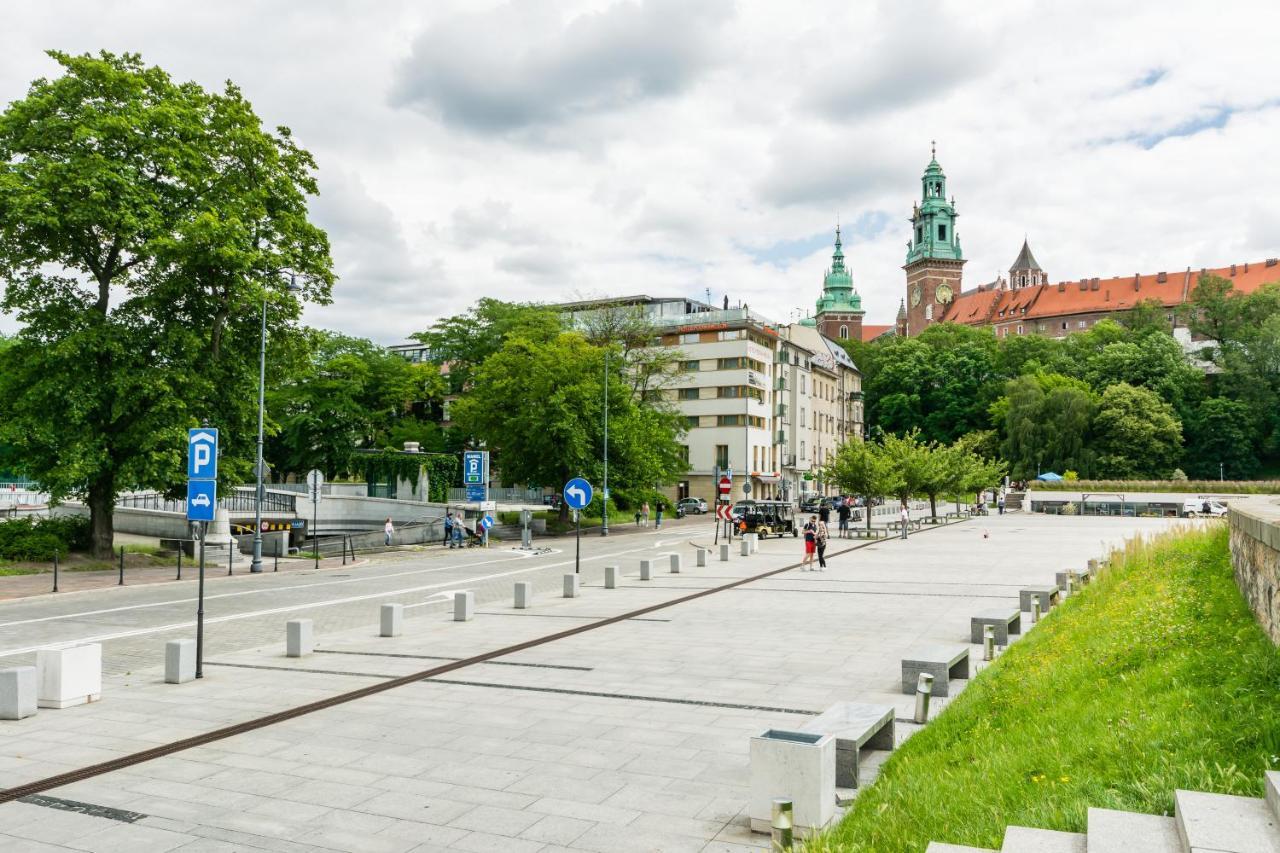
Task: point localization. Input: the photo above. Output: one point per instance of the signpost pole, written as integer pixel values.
(577, 496)
(485, 504)
(577, 545)
(315, 528)
(200, 607)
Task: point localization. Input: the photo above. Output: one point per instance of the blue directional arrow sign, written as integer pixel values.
(202, 454)
(577, 493)
(202, 499)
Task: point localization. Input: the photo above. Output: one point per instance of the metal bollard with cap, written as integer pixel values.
(1035, 609)
(924, 690)
(988, 642)
(782, 825)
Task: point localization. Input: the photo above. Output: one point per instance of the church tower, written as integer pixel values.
(934, 260)
(839, 310)
(1025, 272)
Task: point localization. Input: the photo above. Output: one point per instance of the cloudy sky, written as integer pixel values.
(552, 150)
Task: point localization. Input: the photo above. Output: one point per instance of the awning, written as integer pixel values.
(767, 478)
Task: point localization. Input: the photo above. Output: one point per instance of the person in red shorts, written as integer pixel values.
(810, 543)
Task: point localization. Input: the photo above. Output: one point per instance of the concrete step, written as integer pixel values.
(937, 847)
(1223, 823)
(1130, 832)
(1272, 781)
(1022, 839)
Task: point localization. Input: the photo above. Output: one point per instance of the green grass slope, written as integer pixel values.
(1155, 677)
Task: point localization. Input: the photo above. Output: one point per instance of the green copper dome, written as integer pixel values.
(838, 295)
(933, 220)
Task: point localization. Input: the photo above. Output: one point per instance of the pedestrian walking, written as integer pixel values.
(644, 513)
(810, 543)
(387, 530)
(657, 522)
(824, 512)
(448, 528)
(1000, 503)
(458, 530)
(820, 540)
(637, 518)
(843, 514)
(905, 515)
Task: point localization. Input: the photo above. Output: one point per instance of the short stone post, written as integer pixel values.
(299, 638)
(17, 693)
(988, 642)
(464, 606)
(524, 595)
(746, 547)
(572, 585)
(391, 620)
(724, 552)
(179, 661)
(610, 577)
(702, 557)
(799, 763)
(646, 570)
(754, 539)
(675, 564)
(71, 676)
(924, 691)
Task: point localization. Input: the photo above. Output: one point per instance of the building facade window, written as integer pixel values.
(690, 366)
(689, 338)
(844, 333)
(1084, 324)
(1019, 328)
(690, 393)
(722, 456)
(802, 456)
(731, 335)
(692, 421)
(802, 416)
(739, 363)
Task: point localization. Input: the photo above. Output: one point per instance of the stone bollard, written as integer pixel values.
(924, 690)
(782, 830)
(179, 661)
(391, 620)
(675, 564)
(702, 557)
(746, 547)
(1035, 610)
(1093, 568)
(17, 693)
(71, 676)
(610, 577)
(572, 585)
(646, 570)
(988, 642)
(754, 539)
(464, 606)
(524, 595)
(299, 638)
(724, 552)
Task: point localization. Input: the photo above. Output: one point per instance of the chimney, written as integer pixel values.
(1162, 277)
(1137, 284)
(1093, 284)
(1246, 266)
(1062, 286)
(1084, 284)
(1233, 270)
(1106, 296)
(1271, 262)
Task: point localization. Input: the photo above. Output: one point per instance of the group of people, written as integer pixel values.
(455, 532)
(815, 543)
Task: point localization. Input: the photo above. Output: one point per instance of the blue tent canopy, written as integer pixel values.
(1049, 475)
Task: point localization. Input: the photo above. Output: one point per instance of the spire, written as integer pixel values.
(838, 295)
(934, 218)
(1026, 260)
(902, 309)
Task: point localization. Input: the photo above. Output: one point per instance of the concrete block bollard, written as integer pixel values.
(464, 606)
(17, 693)
(746, 547)
(179, 661)
(611, 577)
(724, 552)
(572, 585)
(299, 638)
(524, 595)
(646, 570)
(754, 539)
(703, 553)
(391, 620)
(69, 677)
(676, 563)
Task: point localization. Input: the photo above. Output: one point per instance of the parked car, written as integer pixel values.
(1203, 506)
(811, 504)
(691, 506)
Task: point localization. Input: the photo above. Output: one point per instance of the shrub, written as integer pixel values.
(40, 538)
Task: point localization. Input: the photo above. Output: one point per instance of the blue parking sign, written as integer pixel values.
(202, 500)
(202, 453)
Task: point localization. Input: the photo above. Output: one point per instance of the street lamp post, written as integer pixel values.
(256, 565)
(1220, 472)
(604, 501)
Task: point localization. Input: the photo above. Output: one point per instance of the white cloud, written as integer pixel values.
(539, 150)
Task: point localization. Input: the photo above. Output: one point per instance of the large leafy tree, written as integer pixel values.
(861, 468)
(1221, 432)
(1137, 435)
(464, 341)
(142, 224)
(1045, 421)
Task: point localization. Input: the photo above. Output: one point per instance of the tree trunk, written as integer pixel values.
(102, 504)
(933, 505)
(866, 500)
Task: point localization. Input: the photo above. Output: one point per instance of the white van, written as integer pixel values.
(1207, 507)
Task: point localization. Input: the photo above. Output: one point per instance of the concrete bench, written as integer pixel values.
(854, 725)
(17, 693)
(69, 676)
(1082, 575)
(1048, 596)
(1005, 622)
(943, 662)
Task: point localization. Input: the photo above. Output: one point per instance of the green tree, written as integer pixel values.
(1045, 420)
(861, 468)
(142, 223)
(464, 341)
(915, 462)
(1221, 432)
(1137, 435)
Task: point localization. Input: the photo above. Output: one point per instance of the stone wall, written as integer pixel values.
(1255, 555)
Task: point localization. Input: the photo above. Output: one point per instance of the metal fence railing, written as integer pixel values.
(240, 500)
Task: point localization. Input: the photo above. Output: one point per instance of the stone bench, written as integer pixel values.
(69, 676)
(1005, 622)
(17, 693)
(1048, 596)
(1082, 575)
(854, 725)
(943, 662)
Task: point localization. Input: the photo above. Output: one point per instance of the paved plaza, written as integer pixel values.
(630, 736)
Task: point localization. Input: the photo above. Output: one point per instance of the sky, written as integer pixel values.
(549, 151)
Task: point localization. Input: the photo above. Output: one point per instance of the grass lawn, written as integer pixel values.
(136, 556)
(1156, 677)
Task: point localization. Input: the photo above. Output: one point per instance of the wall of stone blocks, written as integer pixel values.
(1255, 556)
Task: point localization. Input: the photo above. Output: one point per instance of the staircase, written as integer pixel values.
(1013, 501)
(1202, 823)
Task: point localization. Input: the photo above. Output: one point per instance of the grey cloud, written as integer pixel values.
(540, 263)
(491, 221)
(519, 66)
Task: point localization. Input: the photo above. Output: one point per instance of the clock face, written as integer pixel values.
(943, 293)
(916, 293)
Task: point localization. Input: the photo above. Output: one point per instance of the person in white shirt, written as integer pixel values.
(387, 530)
(905, 515)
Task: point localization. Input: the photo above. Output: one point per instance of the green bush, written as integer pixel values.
(40, 538)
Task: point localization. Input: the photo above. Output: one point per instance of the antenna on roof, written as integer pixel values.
(933, 148)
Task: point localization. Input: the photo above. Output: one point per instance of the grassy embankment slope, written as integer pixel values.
(1156, 677)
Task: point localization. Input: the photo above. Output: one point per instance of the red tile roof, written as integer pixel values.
(870, 333)
(1089, 296)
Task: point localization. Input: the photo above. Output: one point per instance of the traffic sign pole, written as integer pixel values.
(577, 495)
(577, 545)
(204, 528)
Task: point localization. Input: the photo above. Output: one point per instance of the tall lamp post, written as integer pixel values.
(604, 502)
(256, 565)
